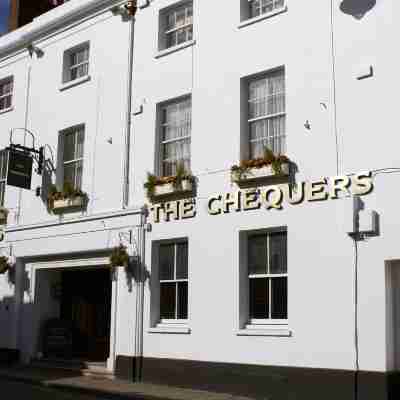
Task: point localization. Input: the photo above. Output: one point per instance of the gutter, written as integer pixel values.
(46, 23)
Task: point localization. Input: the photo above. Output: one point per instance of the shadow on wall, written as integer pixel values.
(357, 8)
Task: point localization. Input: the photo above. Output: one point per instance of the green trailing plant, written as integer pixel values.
(176, 180)
(119, 257)
(269, 158)
(68, 192)
(4, 265)
(4, 211)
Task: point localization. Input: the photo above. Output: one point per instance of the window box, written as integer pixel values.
(62, 204)
(181, 183)
(3, 215)
(69, 199)
(270, 166)
(171, 188)
(254, 174)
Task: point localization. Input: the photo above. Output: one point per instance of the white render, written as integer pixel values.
(224, 50)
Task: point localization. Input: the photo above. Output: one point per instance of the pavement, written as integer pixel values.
(72, 382)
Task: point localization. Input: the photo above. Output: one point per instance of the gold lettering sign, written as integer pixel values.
(270, 197)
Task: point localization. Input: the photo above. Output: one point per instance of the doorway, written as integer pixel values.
(86, 305)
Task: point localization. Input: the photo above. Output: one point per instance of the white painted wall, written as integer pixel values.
(320, 253)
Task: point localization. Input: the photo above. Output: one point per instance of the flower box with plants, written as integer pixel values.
(69, 197)
(3, 215)
(182, 182)
(119, 257)
(4, 264)
(270, 165)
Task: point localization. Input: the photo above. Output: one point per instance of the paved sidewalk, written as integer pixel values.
(102, 387)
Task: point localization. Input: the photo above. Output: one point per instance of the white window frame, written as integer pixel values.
(247, 18)
(61, 149)
(3, 175)
(161, 127)
(269, 277)
(10, 94)
(158, 324)
(68, 67)
(248, 326)
(163, 25)
(265, 117)
(176, 281)
(275, 6)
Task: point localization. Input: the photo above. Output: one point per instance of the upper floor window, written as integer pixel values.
(3, 174)
(176, 25)
(72, 141)
(175, 136)
(260, 7)
(76, 63)
(266, 114)
(6, 93)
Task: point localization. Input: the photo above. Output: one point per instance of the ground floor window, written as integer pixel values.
(173, 281)
(267, 276)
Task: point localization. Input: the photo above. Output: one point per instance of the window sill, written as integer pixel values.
(75, 82)
(279, 331)
(173, 49)
(251, 21)
(170, 328)
(6, 110)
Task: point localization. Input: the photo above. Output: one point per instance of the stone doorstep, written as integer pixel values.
(113, 389)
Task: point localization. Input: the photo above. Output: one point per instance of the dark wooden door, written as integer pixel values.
(86, 303)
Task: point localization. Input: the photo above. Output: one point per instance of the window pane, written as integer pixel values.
(259, 298)
(182, 300)
(167, 300)
(277, 252)
(167, 254)
(257, 255)
(69, 174)
(69, 146)
(182, 261)
(80, 140)
(279, 298)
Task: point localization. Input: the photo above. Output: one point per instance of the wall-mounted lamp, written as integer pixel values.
(34, 49)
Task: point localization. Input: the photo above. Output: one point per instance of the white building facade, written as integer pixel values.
(267, 263)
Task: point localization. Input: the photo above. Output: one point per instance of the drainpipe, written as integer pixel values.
(127, 162)
(141, 278)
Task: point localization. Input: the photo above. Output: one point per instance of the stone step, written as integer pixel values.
(85, 368)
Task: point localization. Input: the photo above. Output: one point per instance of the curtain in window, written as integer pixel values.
(267, 121)
(177, 126)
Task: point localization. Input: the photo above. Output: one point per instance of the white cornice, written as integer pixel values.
(55, 19)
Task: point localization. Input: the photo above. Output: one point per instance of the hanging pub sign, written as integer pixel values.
(19, 169)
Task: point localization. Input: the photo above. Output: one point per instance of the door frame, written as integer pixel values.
(84, 264)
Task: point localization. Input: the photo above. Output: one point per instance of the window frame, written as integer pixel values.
(160, 160)
(176, 281)
(246, 121)
(158, 324)
(247, 325)
(61, 151)
(68, 66)
(246, 17)
(4, 81)
(163, 26)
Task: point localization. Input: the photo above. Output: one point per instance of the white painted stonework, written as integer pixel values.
(353, 128)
